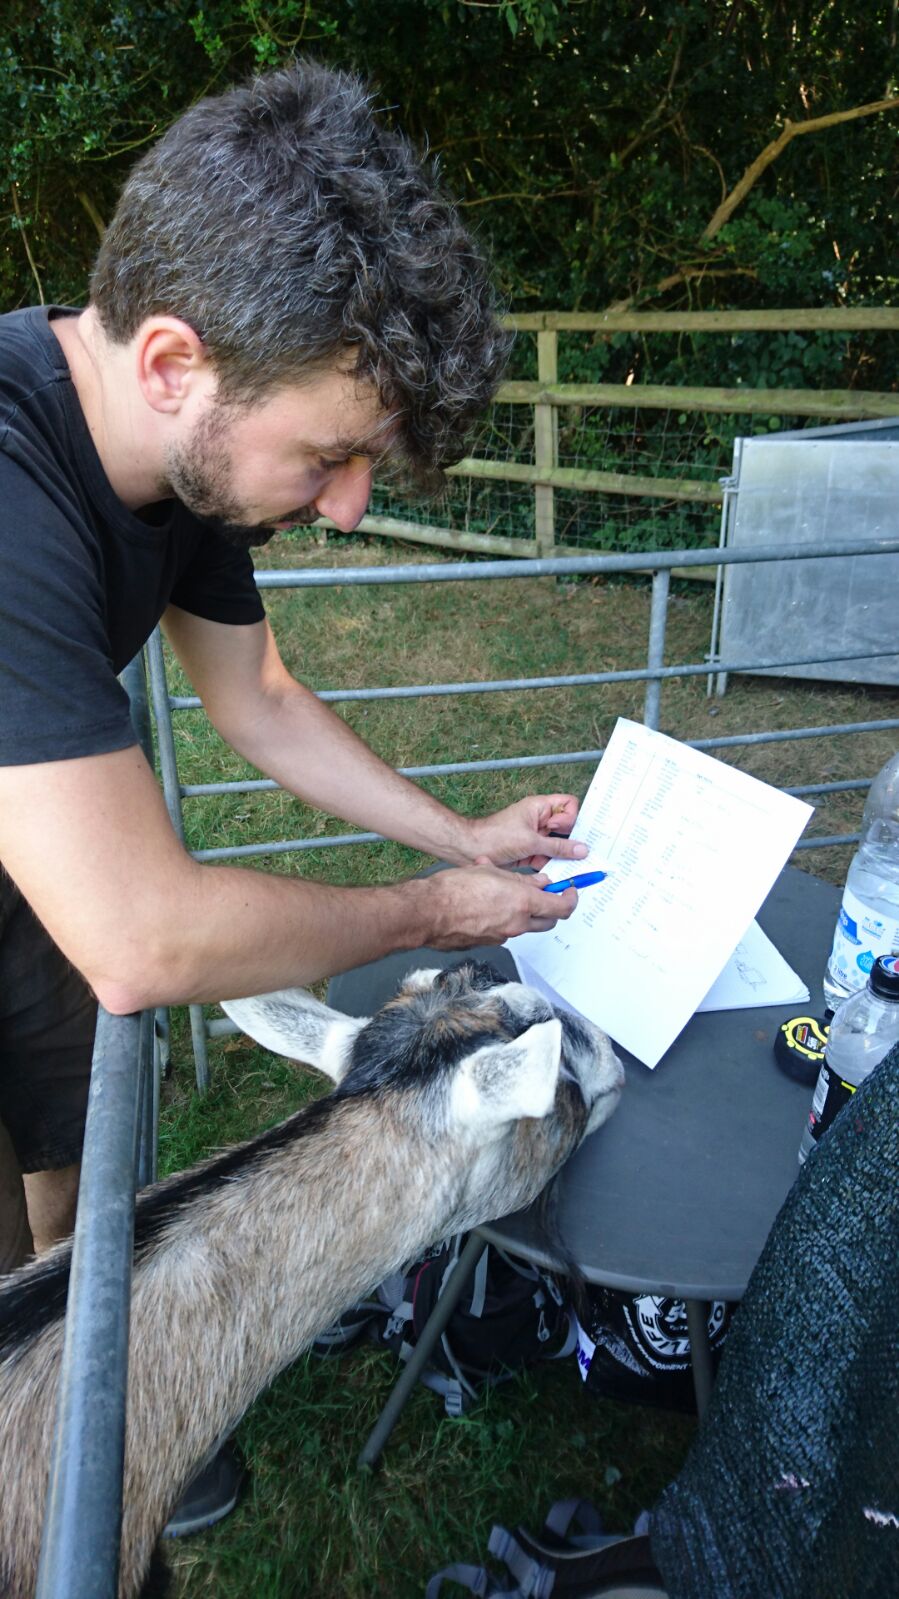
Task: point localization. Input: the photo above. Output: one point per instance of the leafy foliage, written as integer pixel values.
(591, 142)
(595, 140)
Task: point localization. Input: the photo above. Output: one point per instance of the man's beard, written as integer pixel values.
(199, 474)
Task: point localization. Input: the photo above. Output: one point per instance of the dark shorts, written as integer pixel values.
(47, 1022)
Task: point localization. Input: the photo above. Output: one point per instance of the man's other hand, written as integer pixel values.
(528, 833)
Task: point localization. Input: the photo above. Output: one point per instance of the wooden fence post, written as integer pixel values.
(546, 443)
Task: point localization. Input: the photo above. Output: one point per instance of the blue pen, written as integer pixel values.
(583, 880)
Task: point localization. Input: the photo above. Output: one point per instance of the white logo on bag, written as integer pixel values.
(661, 1325)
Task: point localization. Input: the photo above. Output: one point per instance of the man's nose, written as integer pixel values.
(345, 498)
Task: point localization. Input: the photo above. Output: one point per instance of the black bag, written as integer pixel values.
(637, 1347)
(510, 1316)
(581, 1564)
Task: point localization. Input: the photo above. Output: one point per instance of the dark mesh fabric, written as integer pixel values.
(791, 1490)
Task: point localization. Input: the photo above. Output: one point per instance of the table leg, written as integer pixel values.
(700, 1352)
(434, 1327)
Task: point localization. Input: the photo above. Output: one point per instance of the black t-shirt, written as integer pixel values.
(83, 581)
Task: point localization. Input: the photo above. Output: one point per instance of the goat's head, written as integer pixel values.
(469, 1059)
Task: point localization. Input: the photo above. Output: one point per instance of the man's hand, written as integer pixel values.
(523, 834)
(474, 905)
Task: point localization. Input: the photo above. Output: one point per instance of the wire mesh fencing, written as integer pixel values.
(611, 439)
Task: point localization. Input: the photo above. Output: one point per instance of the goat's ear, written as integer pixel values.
(422, 977)
(292, 1023)
(502, 1082)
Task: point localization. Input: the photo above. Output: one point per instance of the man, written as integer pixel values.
(283, 298)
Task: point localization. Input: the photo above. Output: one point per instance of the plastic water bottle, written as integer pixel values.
(868, 924)
(864, 1028)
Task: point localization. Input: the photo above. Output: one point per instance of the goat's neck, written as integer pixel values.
(251, 1274)
(236, 1285)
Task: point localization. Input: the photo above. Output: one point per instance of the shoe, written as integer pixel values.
(209, 1496)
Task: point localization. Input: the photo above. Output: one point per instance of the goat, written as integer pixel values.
(456, 1103)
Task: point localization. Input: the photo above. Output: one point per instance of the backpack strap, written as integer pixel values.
(478, 1296)
(570, 1344)
(553, 1565)
(477, 1579)
(532, 1580)
(457, 1394)
(349, 1329)
(577, 1566)
(580, 1511)
(535, 1581)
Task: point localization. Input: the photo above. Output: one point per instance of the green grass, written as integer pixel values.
(310, 1524)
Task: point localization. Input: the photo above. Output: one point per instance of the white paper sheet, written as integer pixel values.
(692, 847)
(756, 974)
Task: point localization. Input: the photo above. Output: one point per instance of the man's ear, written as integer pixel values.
(500, 1083)
(292, 1023)
(171, 361)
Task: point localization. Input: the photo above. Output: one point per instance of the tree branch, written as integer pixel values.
(791, 130)
(15, 200)
(92, 212)
(682, 276)
(534, 199)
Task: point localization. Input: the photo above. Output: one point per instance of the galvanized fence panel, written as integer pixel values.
(654, 674)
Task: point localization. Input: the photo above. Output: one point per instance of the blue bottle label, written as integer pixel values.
(861, 935)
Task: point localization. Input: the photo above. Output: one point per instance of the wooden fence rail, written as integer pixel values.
(849, 405)
(580, 479)
(834, 319)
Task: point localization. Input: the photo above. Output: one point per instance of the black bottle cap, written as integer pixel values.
(884, 978)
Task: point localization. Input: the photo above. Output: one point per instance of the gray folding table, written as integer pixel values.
(677, 1192)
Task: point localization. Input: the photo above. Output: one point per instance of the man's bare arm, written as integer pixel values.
(91, 847)
(288, 733)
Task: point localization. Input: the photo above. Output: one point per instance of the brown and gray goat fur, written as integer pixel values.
(456, 1103)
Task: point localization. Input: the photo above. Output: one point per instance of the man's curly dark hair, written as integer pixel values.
(294, 231)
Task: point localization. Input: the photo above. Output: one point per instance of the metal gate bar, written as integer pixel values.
(82, 1524)
(168, 766)
(82, 1528)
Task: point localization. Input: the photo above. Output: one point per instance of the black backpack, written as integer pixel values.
(571, 1556)
(636, 1347)
(510, 1316)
